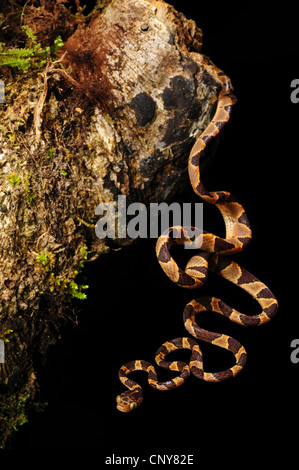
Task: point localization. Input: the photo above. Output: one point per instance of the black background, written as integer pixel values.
(133, 307)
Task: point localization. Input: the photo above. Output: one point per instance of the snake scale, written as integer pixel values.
(238, 235)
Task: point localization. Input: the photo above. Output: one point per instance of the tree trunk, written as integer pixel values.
(114, 112)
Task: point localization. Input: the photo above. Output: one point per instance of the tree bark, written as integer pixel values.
(116, 113)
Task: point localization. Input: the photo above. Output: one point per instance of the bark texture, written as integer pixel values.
(116, 113)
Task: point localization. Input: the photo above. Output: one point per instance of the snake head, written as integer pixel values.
(128, 401)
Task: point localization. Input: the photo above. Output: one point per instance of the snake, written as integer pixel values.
(212, 257)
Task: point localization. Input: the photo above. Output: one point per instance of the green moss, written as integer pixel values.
(32, 56)
(14, 179)
(63, 173)
(75, 290)
(30, 198)
(3, 335)
(43, 259)
(27, 186)
(72, 288)
(84, 254)
(46, 260)
(14, 414)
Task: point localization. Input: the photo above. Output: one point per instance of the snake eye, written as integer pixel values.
(133, 405)
(118, 398)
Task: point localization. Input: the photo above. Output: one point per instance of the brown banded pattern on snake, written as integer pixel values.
(238, 235)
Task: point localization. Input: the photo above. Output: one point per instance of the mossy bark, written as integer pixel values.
(115, 113)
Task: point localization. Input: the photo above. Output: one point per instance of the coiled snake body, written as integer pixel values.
(238, 235)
